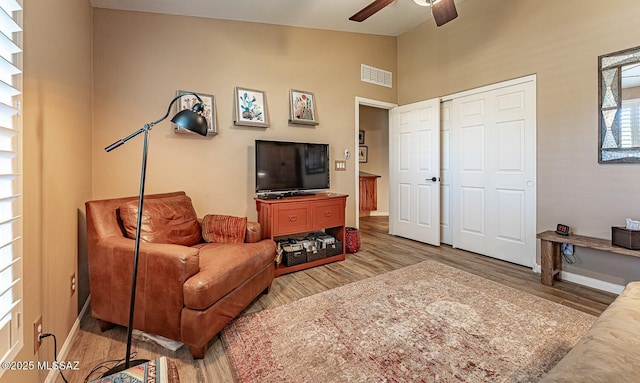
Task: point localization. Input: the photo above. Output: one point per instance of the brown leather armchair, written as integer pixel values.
(184, 293)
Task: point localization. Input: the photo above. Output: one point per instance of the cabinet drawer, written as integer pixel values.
(328, 215)
(292, 220)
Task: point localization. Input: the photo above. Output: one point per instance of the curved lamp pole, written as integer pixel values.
(189, 119)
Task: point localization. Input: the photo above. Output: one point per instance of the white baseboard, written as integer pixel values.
(62, 355)
(379, 213)
(592, 282)
(587, 281)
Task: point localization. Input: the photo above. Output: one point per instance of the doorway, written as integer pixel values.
(372, 119)
(373, 158)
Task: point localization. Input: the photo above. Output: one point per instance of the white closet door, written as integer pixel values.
(494, 172)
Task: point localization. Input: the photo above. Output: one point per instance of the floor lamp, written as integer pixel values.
(189, 119)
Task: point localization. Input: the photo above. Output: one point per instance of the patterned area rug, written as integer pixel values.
(423, 323)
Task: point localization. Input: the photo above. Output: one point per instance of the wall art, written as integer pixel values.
(250, 108)
(363, 153)
(303, 107)
(188, 101)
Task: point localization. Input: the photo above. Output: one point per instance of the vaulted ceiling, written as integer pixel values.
(393, 20)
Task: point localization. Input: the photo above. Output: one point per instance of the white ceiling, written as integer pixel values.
(395, 19)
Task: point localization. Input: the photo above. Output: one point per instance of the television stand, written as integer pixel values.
(303, 214)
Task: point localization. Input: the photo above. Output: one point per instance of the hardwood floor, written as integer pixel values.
(380, 253)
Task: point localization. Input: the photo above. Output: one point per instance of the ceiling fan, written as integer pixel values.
(443, 10)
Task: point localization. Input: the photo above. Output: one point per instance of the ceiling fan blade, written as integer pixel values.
(444, 11)
(370, 10)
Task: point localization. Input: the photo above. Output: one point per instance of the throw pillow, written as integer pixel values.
(164, 220)
(224, 228)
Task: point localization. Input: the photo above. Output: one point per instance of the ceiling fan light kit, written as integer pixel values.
(443, 11)
(426, 3)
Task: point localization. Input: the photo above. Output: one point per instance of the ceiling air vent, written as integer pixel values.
(375, 76)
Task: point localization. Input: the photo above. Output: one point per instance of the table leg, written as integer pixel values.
(557, 261)
(551, 263)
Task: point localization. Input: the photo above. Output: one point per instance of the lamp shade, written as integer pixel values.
(192, 120)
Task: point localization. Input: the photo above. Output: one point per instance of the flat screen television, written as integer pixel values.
(291, 167)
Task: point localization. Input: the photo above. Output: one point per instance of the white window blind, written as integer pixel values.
(630, 123)
(11, 333)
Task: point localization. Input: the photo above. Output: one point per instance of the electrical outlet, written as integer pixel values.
(73, 283)
(37, 331)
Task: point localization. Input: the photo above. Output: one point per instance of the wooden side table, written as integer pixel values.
(551, 259)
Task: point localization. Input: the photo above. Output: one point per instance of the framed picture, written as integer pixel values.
(188, 101)
(361, 137)
(250, 108)
(363, 153)
(303, 107)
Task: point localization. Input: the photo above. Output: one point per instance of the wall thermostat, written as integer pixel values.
(562, 229)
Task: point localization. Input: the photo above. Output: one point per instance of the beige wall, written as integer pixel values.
(136, 72)
(560, 41)
(375, 123)
(141, 59)
(56, 166)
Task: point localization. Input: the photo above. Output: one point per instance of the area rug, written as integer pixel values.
(424, 323)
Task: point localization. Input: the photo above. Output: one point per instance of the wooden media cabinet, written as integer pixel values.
(287, 216)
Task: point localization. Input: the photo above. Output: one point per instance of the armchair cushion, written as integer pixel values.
(170, 220)
(224, 228)
(224, 267)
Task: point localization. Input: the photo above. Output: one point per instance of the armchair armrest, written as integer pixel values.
(253, 232)
(162, 271)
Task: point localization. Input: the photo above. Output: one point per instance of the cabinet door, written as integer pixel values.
(291, 219)
(328, 214)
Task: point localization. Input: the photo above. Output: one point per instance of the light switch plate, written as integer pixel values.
(341, 166)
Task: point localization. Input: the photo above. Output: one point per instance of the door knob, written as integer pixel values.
(432, 179)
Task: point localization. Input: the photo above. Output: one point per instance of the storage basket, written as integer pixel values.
(334, 248)
(629, 239)
(312, 247)
(316, 254)
(292, 258)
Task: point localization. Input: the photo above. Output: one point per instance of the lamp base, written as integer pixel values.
(121, 367)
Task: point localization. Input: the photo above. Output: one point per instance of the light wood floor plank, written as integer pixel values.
(380, 253)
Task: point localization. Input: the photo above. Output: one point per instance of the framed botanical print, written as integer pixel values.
(187, 101)
(363, 153)
(250, 108)
(302, 107)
